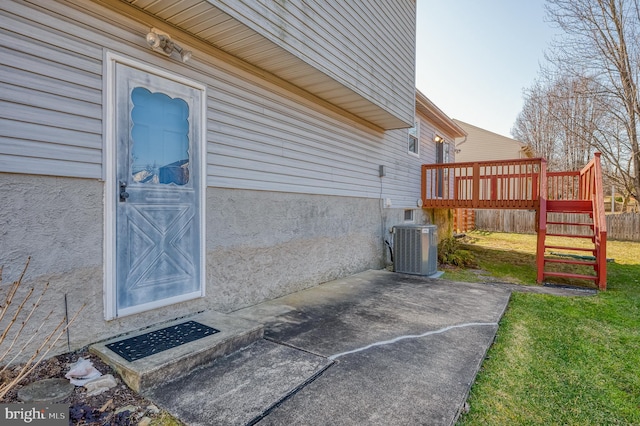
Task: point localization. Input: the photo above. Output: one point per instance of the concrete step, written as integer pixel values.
(157, 369)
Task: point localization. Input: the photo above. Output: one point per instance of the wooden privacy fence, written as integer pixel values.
(622, 226)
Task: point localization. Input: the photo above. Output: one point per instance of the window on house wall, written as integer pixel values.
(414, 139)
(440, 149)
(442, 153)
(408, 216)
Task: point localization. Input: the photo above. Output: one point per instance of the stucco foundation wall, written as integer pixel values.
(58, 222)
(260, 245)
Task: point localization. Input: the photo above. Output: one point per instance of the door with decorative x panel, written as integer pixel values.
(158, 197)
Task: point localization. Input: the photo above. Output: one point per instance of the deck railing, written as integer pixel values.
(505, 184)
(591, 189)
(563, 186)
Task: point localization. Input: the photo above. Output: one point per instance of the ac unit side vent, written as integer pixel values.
(415, 249)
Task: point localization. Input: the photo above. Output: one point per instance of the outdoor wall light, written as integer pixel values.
(438, 139)
(161, 42)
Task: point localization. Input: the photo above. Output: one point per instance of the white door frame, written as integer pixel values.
(109, 175)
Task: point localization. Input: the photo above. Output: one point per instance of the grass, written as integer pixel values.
(166, 419)
(559, 360)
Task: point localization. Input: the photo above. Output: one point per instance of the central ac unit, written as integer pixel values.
(415, 249)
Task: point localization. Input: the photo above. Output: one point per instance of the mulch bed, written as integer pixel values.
(116, 406)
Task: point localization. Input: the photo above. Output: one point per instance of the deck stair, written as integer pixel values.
(575, 225)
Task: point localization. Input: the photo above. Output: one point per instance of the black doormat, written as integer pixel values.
(156, 341)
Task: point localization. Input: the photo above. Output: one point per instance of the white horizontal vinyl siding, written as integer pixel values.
(369, 46)
(50, 97)
(259, 136)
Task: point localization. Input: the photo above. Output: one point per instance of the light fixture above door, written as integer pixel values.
(161, 42)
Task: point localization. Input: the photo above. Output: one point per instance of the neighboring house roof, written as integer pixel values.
(482, 145)
(438, 118)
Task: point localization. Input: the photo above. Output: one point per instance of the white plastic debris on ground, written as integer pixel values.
(81, 372)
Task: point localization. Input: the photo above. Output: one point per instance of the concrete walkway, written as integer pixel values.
(375, 348)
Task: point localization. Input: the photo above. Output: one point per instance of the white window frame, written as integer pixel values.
(413, 215)
(414, 133)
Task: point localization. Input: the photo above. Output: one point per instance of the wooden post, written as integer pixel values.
(613, 199)
(541, 217)
(475, 196)
(601, 226)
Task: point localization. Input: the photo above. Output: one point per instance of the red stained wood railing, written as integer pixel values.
(505, 184)
(563, 186)
(541, 221)
(591, 189)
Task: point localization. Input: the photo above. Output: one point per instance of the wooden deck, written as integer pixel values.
(525, 184)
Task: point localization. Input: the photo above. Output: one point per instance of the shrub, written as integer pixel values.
(13, 338)
(450, 252)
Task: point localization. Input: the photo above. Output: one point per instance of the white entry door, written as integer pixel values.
(158, 190)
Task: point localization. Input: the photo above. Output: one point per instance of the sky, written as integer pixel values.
(474, 58)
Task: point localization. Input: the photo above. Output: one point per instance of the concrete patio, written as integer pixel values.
(374, 348)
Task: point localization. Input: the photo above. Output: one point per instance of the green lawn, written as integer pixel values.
(559, 360)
